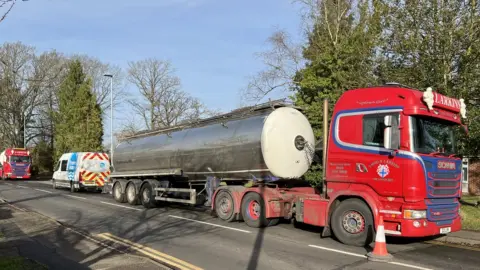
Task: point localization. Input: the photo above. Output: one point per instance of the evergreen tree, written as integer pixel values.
(436, 44)
(340, 56)
(78, 122)
(42, 157)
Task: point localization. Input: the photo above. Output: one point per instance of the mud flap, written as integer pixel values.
(326, 232)
(107, 189)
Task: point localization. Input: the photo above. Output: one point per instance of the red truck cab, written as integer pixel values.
(395, 149)
(390, 151)
(15, 163)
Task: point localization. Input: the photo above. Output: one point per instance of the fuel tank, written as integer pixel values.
(267, 142)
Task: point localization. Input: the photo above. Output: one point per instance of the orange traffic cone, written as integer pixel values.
(380, 253)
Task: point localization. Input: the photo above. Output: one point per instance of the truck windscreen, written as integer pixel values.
(432, 135)
(23, 159)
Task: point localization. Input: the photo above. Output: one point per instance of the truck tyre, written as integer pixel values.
(225, 206)
(352, 223)
(147, 196)
(117, 192)
(132, 195)
(253, 210)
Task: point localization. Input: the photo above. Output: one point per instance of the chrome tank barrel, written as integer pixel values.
(270, 144)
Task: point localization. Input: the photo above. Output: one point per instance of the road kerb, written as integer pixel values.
(456, 243)
(151, 253)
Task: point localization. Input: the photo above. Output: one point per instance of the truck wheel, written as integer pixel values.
(253, 210)
(147, 197)
(225, 206)
(132, 195)
(117, 193)
(352, 223)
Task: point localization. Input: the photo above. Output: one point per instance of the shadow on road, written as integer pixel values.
(257, 246)
(25, 236)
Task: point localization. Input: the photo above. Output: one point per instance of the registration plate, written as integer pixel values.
(445, 230)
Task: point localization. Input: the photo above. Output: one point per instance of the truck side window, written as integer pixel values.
(373, 128)
(64, 166)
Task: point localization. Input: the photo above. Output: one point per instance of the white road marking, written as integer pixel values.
(364, 256)
(78, 197)
(43, 190)
(21, 186)
(339, 251)
(121, 206)
(211, 224)
(410, 265)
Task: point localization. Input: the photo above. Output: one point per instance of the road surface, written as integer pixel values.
(193, 236)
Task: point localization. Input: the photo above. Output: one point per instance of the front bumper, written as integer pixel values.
(14, 176)
(424, 228)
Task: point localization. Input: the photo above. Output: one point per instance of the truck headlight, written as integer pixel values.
(414, 214)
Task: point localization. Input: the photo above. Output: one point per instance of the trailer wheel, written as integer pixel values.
(253, 210)
(132, 195)
(352, 223)
(147, 197)
(225, 206)
(117, 192)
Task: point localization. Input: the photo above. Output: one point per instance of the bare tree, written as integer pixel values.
(8, 5)
(282, 61)
(25, 78)
(284, 58)
(130, 127)
(162, 103)
(53, 65)
(19, 93)
(96, 69)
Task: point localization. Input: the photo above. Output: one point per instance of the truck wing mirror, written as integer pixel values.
(391, 139)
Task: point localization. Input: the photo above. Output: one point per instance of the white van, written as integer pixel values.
(82, 170)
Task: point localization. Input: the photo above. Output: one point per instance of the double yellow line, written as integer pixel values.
(152, 253)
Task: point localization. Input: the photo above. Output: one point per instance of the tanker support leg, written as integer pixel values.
(211, 185)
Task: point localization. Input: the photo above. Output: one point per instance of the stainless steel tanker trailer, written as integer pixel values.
(265, 144)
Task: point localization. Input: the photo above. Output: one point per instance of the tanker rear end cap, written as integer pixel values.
(288, 143)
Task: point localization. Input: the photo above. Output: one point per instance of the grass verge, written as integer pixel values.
(470, 214)
(17, 263)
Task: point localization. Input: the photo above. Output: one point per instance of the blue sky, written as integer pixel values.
(211, 43)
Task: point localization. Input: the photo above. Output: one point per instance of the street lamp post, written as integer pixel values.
(24, 131)
(111, 117)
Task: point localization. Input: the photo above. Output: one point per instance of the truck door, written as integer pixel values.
(60, 174)
(378, 168)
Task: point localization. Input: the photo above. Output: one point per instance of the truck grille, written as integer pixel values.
(443, 184)
(442, 211)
